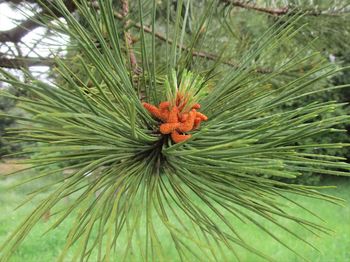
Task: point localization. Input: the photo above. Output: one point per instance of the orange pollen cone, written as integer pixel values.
(175, 122)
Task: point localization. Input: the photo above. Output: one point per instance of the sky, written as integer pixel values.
(6, 13)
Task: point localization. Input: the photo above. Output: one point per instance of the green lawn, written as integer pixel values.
(37, 248)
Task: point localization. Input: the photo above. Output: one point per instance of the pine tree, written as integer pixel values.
(178, 138)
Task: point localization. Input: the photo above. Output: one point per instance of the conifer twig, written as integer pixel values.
(278, 11)
(202, 54)
(14, 35)
(268, 10)
(128, 37)
(20, 61)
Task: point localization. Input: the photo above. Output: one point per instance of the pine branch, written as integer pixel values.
(17, 1)
(271, 11)
(202, 54)
(20, 62)
(128, 37)
(15, 34)
(278, 11)
(214, 57)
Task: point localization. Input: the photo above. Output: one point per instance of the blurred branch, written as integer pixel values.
(20, 62)
(162, 37)
(128, 37)
(17, 1)
(202, 54)
(271, 11)
(15, 34)
(278, 11)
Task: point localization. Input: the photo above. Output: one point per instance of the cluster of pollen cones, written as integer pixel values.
(176, 121)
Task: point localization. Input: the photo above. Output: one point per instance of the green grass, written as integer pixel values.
(38, 247)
